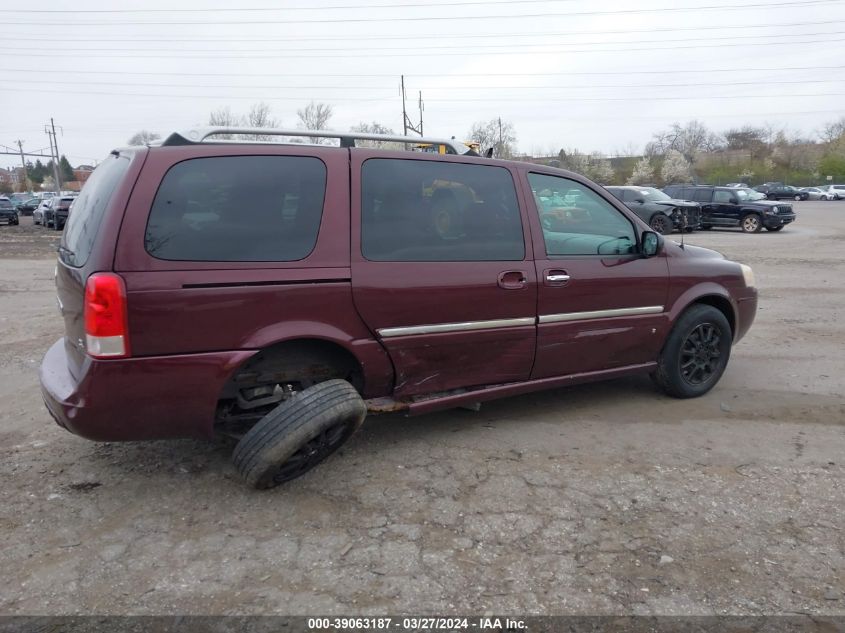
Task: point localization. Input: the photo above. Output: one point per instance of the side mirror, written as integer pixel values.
(651, 243)
(640, 200)
(734, 200)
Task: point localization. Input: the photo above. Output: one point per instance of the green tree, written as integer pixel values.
(832, 165)
(65, 170)
(34, 172)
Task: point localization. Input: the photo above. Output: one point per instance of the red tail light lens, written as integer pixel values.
(106, 325)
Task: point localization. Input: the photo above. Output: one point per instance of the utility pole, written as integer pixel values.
(54, 153)
(406, 121)
(23, 164)
(421, 117)
(404, 113)
(499, 153)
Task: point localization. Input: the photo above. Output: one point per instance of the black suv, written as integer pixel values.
(779, 191)
(8, 213)
(662, 213)
(725, 206)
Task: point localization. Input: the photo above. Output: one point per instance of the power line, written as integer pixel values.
(454, 46)
(719, 7)
(299, 8)
(440, 36)
(452, 89)
(685, 71)
(228, 56)
(344, 98)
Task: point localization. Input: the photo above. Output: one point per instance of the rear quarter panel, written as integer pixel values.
(190, 307)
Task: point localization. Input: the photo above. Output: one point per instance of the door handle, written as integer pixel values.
(556, 277)
(512, 280)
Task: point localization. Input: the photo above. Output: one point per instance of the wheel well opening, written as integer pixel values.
(276, 372)
(724, 306)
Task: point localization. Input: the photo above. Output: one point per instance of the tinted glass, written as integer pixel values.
(84, 222)
(702, 195)
(238, 209)
(590, 226)
(722, 196)
(415, 210)
(674, 192)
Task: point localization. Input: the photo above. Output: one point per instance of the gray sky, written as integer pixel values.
(594, 75)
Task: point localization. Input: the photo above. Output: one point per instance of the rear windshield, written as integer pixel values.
(238, 208)
(89, 208)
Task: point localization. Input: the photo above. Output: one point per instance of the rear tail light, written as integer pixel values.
(106, 325)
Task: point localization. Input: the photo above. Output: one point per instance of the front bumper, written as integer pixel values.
(774, 220)
(137, 398)
(746, 310)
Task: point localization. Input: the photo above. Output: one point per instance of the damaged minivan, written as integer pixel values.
(278, 292)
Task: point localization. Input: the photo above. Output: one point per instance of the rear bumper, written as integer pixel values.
(137, 398)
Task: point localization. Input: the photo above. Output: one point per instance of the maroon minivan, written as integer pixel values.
(277, 292)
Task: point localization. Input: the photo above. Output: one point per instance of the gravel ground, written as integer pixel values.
(600, 499)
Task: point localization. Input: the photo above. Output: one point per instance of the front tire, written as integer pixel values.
(299, 433)
(661, 223)
(695, 354)
(751, 223)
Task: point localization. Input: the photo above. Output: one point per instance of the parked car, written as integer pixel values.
(8, 213)
(278, 292)
(38, 214)
(838, 191)
(659, 211)
(726, 207)
(27, 206)
(814, 193)
(782, 192)
(57, 211)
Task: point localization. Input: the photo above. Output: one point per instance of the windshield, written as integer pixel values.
(650, 193)
(749, 194)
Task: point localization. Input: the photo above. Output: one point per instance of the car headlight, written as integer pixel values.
(772, 210)
(748, 276)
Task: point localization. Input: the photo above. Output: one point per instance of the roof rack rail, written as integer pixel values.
(347, 139)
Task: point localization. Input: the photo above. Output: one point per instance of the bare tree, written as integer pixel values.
(224, 118)
(374, 128)
(143, 138)
(495, 133)
(315, 116)
(690, 140)
(260, 116)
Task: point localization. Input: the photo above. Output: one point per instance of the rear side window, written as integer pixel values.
(415, 210)
(238, 209)
(702, 195)
(83, 223)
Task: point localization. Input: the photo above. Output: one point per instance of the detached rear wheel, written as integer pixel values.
(695, 354)
(299, 433)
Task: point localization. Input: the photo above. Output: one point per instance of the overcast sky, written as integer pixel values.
(594, 75)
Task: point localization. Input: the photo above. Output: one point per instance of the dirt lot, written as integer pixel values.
(606, 498)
